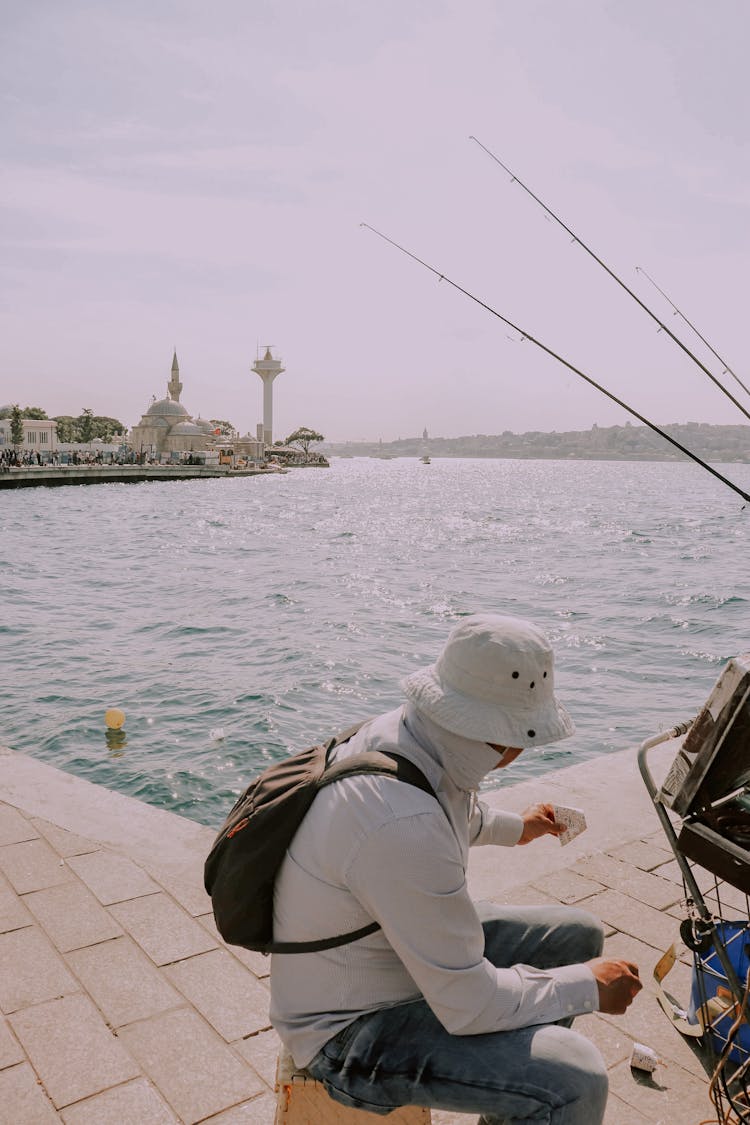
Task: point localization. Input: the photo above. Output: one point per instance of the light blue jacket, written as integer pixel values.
(376, 848)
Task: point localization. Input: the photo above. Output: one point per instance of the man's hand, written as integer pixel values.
(618, 983)
(539, 820)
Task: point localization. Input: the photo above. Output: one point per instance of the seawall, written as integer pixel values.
(38, 477)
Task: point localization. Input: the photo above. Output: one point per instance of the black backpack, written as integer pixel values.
(242, 865)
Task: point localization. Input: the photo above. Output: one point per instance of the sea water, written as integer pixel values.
(234, 621)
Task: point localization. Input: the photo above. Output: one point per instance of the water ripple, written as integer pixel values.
(284, 609)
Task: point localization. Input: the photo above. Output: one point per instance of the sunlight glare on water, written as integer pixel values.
(279, 610)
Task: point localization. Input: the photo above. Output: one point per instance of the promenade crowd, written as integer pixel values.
(11, 458)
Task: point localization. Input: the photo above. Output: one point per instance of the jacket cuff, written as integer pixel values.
(578, 990)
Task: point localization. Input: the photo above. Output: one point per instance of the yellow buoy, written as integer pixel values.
(114, 718)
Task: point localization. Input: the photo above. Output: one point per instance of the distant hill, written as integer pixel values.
(600, 443)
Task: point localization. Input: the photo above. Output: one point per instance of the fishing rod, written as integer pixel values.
(571, 367)
(613, 275)
(723, 362)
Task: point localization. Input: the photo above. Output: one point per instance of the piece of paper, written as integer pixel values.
(573, 819)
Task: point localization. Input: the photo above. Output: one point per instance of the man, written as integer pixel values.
(449, 1004)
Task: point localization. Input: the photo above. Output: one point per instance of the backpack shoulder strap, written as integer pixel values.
(373, 761)
(344, 736)
(378, 762)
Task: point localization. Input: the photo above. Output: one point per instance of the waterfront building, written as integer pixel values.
(168, 428)
(39, 435)
(268, 368)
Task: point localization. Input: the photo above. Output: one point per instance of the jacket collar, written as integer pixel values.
(465, 761)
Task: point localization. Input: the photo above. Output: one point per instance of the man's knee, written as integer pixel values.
(544, 936)
(595, 1083)
(590, 933)
(578, 1072)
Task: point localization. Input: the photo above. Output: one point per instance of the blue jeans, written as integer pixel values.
(547, 1074)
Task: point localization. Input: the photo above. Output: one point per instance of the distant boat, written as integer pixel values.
(425, 459)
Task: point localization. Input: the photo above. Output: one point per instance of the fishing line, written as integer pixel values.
(723, 362)
(576, 371)
(613, 275)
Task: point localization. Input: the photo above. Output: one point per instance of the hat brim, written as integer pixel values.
(486, 722)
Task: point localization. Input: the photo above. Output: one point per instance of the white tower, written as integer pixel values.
(174, 386)
(268, 368)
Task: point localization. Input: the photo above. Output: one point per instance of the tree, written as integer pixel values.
(70, 429)
(16, 425)
(66, 427)
(34, 412)
(105, 427)
(304, 437)
(86, 425)
(227, 429)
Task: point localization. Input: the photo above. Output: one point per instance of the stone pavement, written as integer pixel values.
(119, 1003)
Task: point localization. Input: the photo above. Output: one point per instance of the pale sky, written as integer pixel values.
(182, 173)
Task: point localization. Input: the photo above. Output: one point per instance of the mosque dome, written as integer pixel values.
(186, 429)
(168, 406)
(204, 425)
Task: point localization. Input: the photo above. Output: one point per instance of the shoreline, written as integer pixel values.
(39, 477)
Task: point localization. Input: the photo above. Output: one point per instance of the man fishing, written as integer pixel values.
(449, 1004)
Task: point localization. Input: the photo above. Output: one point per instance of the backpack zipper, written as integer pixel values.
(238, 827)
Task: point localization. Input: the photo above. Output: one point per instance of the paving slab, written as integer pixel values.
(642, 854)
(225, 994)
(525, 894)
(189, 893)
(11, 1051)
(261, 1051)
(567, 886)
(65, 843)
(71, 916)
(112, 878)
(123, 981)
(14, 828)
(629, 916)
(32, 865)
(258, 963)
(259, 1111)
(619, 1113)
(629, 880)
(614, 1044)
(134, 1103)
(23, 1100)
(31, 970)
(197, 1073)
(162, 929)
(71, 1048)
(673, 1095)
(13, 913)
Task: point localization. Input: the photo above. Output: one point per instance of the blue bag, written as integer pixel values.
(710, 990)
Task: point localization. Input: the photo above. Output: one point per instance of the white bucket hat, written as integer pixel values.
(493, 682)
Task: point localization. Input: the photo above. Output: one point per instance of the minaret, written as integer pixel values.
(268, 368)
(174, 386)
